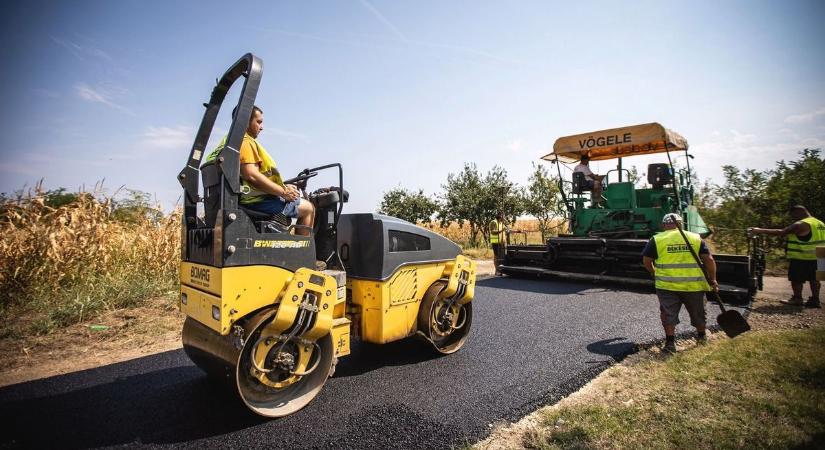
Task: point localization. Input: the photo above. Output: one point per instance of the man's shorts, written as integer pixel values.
(591, 184)
(670, 302)
(275, 205)
(800, 270)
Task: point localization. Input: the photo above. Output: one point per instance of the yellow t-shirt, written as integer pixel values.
(251, 152)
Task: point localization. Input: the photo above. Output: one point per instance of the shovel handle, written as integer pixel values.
(701, 266)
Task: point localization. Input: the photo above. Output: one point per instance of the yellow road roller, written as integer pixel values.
(261, 315)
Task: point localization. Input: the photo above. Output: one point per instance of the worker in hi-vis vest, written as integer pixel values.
(804, 235)
(679, 278)
(497, 240)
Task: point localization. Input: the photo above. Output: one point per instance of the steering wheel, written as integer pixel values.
(300, 181)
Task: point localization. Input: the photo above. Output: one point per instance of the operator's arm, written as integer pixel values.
(710, 268)
(649, 254)
(259, 181)
(648, 263)
(797, 228)
(710, 265)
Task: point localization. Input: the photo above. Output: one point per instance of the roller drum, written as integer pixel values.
(214, 354)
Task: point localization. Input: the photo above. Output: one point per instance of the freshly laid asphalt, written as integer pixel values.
(532, 342)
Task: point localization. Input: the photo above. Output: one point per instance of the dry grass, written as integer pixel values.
(523, 231)
(61, 264)
(461, 235)
(478, 253)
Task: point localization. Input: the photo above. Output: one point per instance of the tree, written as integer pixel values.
(470, 198)
(740, 203)
(134, 207)
(633, 175)
(461, 198)
(541, 199)
(751, 198)
(410, 206)
(799, 182)
(55, 198)
(499, 195)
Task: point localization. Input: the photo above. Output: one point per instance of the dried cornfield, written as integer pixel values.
(63, 264)
(522, 231)
(59, 265)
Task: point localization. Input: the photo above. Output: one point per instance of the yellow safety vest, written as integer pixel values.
(676, 270)
(496, 228)
(268, 168)
(797, 249)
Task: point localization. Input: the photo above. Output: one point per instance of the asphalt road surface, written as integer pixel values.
(532, 342)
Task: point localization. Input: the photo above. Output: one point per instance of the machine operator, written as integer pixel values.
(263, 189)
(592, 180)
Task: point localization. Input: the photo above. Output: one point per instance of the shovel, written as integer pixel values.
(730, 321)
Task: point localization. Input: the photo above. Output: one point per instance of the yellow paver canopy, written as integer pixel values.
(634, 140)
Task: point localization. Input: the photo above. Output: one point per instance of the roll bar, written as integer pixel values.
(251, 68)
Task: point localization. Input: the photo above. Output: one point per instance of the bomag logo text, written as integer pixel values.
(199, 273)
(265, 243)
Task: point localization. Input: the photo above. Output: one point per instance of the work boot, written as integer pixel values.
(812, 303)
(701, 338)
(320, 266)
(670, 346)
(793, 301)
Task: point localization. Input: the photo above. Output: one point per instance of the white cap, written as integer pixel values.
(672, 218)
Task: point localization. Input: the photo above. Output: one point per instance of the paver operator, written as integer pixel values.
(594, 182)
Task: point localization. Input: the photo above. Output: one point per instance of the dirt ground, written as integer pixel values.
(115, 336)
(126, 334)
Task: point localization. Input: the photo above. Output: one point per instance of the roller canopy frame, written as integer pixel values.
(250, 67)
(643, 139)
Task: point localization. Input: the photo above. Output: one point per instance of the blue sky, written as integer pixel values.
(402, 93)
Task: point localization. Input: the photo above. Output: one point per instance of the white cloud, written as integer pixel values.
(89, 94)
(742, 138)
(80, 51)
(383, 19)
(749, 151)
(169, 137)
(515, 146)
(805, 117)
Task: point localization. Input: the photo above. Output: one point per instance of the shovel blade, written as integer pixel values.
(732, 323)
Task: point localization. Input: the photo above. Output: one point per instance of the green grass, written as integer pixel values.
(760, 390)
(98, 293)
